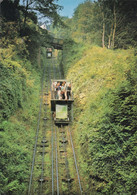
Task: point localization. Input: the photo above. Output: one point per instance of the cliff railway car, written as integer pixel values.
(61, 101)
(49, 52)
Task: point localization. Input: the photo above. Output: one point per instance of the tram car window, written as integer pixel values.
(61, 101)
(61, 113)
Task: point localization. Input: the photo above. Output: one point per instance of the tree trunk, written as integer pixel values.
(39, 57)
(110, 37)
(25, 16)
(103, 34)
(115, 25)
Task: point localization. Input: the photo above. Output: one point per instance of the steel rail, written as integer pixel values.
(66, 159)
(52, 139)
(37, 133)
(57, 172)
(52, 142)
(73, 151)
(75, 160)
(42, 170)
(56, 149)
(43, 142)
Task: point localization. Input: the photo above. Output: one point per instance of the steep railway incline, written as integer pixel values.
(54, 168)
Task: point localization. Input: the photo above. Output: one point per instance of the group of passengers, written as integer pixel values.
(62, 90)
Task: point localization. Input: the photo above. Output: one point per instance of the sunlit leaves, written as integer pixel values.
(106, 109)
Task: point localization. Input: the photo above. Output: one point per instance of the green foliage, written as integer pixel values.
(19, 103)
(16, 140)
(113, 146)
(107, 23)
(119, 19)
(20, 70)
(14, 88)
(47, 9)
(104, 86)
(22, 33)
(10, 10)
(64, 31)
(85, 26)
(72, 52)
(14, 159)
(21, 65)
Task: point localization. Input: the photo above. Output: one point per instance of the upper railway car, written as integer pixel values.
(61, 101)
(49, 52)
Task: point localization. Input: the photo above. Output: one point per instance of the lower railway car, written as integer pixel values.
(61, 101)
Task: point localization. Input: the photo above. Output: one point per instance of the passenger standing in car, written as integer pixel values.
(69, 91)
(58, 89)
(63, 90)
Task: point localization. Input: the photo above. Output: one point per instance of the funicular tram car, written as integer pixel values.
(61, 101)
(49, 52)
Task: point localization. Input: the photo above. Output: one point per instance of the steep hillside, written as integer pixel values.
(21, 67)
(105, 114)
(19, 102)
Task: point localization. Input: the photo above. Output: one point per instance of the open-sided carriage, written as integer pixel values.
(61, 101)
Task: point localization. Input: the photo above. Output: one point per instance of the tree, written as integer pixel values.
(119, 18)
(45, 8)
(84, 22)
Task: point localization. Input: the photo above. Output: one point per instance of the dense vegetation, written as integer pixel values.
(22, 57)
(107, 23)
(104, 85)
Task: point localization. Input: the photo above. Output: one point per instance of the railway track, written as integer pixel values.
(54, 168)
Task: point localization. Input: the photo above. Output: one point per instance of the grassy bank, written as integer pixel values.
(104, 86)
(20, 95)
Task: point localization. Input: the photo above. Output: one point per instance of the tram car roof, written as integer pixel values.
(49, 49)
(60, 80)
